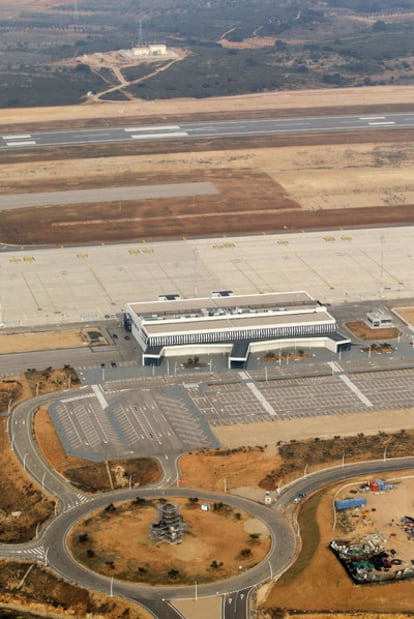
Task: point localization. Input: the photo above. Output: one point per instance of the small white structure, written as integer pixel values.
(378, 320)
(156, 49)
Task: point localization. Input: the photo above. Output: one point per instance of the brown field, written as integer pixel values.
(317, 582)
(121, 546)
(362, 331)
(265, 183)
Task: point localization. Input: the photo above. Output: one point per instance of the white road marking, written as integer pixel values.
(20, 136)
(337, 368)
(385, 122)
(31, 143)
(259, 396)
(151, 136)
(372, 118)
(164, 128)
(100, 396)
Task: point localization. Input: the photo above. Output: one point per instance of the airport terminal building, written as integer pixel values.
(233, 324)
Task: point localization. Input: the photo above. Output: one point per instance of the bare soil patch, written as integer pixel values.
(91, 476)
(45, 593)
(50, 379)
(12, 390)
(362, 331)
(44, 340)
(245, 466)
(263, 187)
(319, 582)
(406, 313)
(23, 505)
(117, 544)
(300, 99)
(274, 465)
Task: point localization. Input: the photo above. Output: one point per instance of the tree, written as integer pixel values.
(173, 573)
(83, 537)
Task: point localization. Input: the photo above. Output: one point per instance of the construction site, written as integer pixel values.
(374, 524)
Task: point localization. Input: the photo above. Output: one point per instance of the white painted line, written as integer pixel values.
(163, 128)
(372, 117)
(31, 143)
(21, 136)
(258, 395)
(337, 368)
(100, 396)
(386, 122)
(78, 397)
(151, 136)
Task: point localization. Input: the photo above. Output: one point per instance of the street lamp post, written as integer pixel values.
(9, 406)
(111, 587)
(24, 461)
(305, 471)
(271, 570)
(195, 591)
(385, 453)
(43, 480)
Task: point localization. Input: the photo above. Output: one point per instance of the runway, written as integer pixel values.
(202, 130)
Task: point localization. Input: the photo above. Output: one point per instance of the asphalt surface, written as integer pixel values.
(50, 547)
(214, 129)
(110, 194)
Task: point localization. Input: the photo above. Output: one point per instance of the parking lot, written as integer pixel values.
(103, 425)
(154, 416)
(293, 398)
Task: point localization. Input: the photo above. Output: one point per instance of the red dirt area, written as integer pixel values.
(264, 202)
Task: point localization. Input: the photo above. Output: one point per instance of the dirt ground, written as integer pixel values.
(91, 476)
(362, 331)
(13, 389)
(22, 505)
(265, 183)
(121, 546)
(42, 340)
(381, 516)
(301, 99)
(267, 432)
(406, 313)
(236, 468)
(46, 595)
(323, 585)
(283, 188)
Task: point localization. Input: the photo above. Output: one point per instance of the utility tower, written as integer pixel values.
(140, 42)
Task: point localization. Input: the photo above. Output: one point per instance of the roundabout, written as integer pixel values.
(127, 542)
(52, 545)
